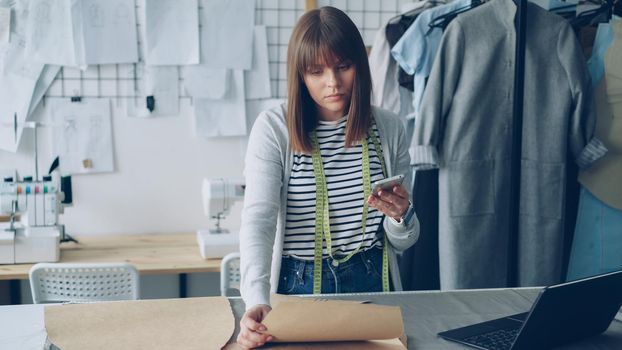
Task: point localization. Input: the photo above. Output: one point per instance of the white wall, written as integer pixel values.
(156, 187)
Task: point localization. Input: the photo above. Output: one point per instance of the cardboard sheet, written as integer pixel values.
(392, 344)
(333, 321)
(311, 323)
(192, 323)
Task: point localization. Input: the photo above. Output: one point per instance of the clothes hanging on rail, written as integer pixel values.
(603, 178)
(418, 264)
(416, 49)
(397, 26)
(597, 242)
(602, 41)
(465, 129)
(387, 93)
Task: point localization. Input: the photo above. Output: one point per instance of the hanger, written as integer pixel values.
(604, 13)
(444, 20)
(413, 12)
(398, 25)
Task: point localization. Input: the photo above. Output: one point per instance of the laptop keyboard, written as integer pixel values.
(496, 340)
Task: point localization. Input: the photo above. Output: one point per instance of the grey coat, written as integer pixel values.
(465, 129)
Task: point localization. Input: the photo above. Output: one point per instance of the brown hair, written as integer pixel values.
(320, 36)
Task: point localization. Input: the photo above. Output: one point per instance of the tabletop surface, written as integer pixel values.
(427, 313)
(150, 253)
(424, 313)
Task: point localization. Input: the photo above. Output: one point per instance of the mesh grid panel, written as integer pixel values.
(279, 17)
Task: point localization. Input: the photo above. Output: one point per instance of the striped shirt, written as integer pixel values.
(343, 174)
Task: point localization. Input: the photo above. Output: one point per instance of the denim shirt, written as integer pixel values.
(596, 63)
(416, 50)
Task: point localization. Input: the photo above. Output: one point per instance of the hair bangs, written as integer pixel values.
(325, 37)
(324, 46)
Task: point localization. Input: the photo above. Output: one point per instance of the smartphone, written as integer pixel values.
(387, 184)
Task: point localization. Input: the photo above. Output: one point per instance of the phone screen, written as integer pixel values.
(387, 184)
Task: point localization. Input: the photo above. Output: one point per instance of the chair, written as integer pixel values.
(230, 275)
(64, 282)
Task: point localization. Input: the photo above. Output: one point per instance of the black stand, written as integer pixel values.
(517, 138)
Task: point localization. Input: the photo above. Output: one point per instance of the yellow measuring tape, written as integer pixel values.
(322, 216)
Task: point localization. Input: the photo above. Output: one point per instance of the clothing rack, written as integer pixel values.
(517, 133)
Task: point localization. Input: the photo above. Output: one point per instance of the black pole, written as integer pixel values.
(15, 289)
(183, 285)
(517, 138)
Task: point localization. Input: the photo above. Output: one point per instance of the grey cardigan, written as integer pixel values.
(267, 170)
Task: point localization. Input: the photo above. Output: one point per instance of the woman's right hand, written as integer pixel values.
(252, 333)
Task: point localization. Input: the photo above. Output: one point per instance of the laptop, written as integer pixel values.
(561, 314)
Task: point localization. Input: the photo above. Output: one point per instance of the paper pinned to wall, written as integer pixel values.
(83, 135)
(50, 33)
(160, 82)
(5, 24)
(163, 84)
(19, 77)
(223, 117)
(108, 31)
(46, 79)
(257, 80)
(227, 33)
(82, 32)
(201, 81)
(171, 32)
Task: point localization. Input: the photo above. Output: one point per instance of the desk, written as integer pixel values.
(151, 254)
(427, 313)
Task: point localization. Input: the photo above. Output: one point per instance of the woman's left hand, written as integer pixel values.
(392, 203)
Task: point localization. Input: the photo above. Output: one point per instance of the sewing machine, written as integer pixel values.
(36, 236)
(219, 195)
(37, 203)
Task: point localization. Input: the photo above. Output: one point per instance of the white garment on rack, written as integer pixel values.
(383, 69)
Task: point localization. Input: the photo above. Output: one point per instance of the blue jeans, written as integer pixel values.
(362, 273)
(597, 242)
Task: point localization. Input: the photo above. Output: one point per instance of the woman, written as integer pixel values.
(310, 165)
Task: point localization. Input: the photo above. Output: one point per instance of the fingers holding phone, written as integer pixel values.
(390, 197)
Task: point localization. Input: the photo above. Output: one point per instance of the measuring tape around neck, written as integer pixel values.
(322, 217)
